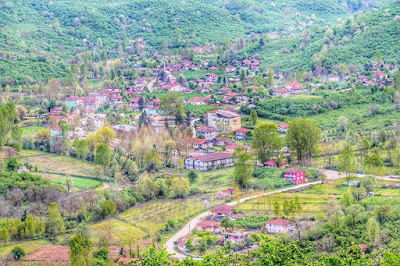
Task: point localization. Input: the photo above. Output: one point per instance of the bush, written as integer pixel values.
(18, 253)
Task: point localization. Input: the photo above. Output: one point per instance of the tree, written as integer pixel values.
(193, 175)
(347, 198)
(303, 137)
(189, 244)
(17, 253)
(374, 165)
(54, 222)
(226, 223)
(101, 256)
(342, 124)
(80, 250)
(12, 164)
(266, 142)
(103, 155)
(7, 118)
(109, 208)
(82, 149)
(244, 167)
(180, 187)
(372, 230)
(253, 117)
(173, 104)
(346, 162)
(4, 235)
(354, 211)
(105, 135)
(16, 134)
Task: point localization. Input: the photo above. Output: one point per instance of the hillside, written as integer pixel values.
(353, 42)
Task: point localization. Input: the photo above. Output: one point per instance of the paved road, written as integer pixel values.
(169, 244)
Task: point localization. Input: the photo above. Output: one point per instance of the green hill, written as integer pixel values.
(353, 42)
(42, 34)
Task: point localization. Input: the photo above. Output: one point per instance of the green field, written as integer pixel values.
(77, 182)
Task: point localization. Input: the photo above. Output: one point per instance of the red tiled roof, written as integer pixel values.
(196, 100)
(208, 224)
(205, 129)
(281, 222)
(283, 125)
(242, 130)
(294, 170)
(198, 141)
(223, 208)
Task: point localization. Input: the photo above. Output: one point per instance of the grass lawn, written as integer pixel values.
(77, 182)
(54, 163)
(215, 180)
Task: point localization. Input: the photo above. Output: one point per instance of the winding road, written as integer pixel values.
(186, 230)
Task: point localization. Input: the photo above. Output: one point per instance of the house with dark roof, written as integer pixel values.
(277, 226)
(209, 161)
(201, 144)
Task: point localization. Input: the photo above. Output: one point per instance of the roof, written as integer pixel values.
(272, 161)
(211, 157)
(208, 224)
(55, 128)
(281, 222)
(283, 125)
(196, 100)
(198, 141)
(212, 74)
(237, 215)
(242, 130)
(362, 77)
(234, 146)
(294, 170)
(223, 208)
(281, 91)
(205, 129)
(227, 114)
(181, 244)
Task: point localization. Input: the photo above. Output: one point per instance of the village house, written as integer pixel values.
(277, 226)
(283, 127)
(230, 69)
(332, 78)
(254, 64)
(153, 103)
(134, 102)
(224, 90)
(73, 102)
(225, 193)
(209, 161)
(208, 226)
(362, 79)
(241, 133)
(236, 236)
(90, 103)
(274, 164)
(55, 131)
(219, 141)
(211, 77)
(281, 92)
(56, 111)
(222, 211)
(201, 144)
(140, 82)
(196, 101)
(379, 76)
(182, 246)
(232, 147)
(223, 120)
(208, 133)
(296, 175)
(293, 85)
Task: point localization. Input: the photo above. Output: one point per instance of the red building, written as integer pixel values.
(296, 175)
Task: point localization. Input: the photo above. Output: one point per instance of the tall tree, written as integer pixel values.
(303, 137)
(244, 167)
(253, 117)
(103, 155)
(80, 250)
(16, 134)
(266, 142)
(346, 162)
(54, 222)
(7, 118)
